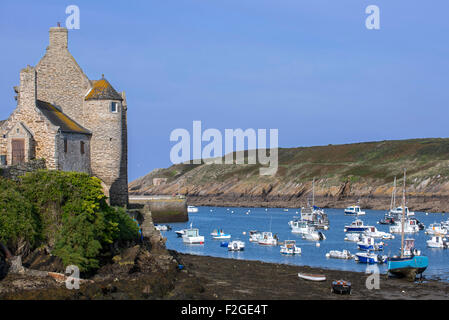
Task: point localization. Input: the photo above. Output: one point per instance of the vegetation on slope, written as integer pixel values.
(379, 161)
(65, 211)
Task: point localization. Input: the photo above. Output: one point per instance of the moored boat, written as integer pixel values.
(368, 244)
(289, 248)
(192, 209)
(313, 235)
(356, 226)
(192, 236)
(437, 242)
(354, 211)
(436, 229)
(374, 233)
(345, 254)
(409, 226)
(268, 239)
(236, 245)
(255, 236)
(370, 258)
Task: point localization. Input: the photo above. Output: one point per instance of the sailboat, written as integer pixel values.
(313, 215)
(410, 262)
(389, 217)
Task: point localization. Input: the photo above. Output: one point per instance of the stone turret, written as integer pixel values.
(105, 113)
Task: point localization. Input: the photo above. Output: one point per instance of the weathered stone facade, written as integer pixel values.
(74, 123)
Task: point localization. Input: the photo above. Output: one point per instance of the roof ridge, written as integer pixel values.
(58, 118)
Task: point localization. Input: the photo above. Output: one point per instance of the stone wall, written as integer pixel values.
(73, 159)
(163, 210)
(14, 172)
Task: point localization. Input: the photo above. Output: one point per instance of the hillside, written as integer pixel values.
(344, 174)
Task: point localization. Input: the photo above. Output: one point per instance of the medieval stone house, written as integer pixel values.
(74, 123)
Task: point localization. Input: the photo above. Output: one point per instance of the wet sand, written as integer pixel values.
(254, 280)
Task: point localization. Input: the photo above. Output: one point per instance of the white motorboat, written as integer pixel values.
(368, 244)
(236, 245)
(374, 233)
(267, 239)
(299, 226)
(192, 236)
(192, 209)
(255, 236)
(410, 226)
(369, 258)
(436, 229)
(289, 248)
(398, 212)
(312, 277)
(437, 242)
(356, 226)
(313, 235)
(345, 254)
(353, 237)
(354, 211)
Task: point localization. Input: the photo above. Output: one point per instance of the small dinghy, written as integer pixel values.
(341, 287)
(224, 244)
(180, 233)
(312, 277)
(345, 254)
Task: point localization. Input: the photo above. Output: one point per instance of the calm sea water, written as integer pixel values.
(235, 221)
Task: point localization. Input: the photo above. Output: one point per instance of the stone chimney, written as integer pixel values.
(58, 38)
(27, 90)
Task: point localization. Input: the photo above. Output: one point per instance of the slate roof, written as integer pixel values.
(58, 118)
(102, 90)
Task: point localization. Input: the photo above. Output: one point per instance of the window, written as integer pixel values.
(82, 147)
(65, 145)
(114, 107)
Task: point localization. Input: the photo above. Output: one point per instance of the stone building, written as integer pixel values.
(74, 123)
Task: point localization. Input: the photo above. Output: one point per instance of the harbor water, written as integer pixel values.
(239, 221)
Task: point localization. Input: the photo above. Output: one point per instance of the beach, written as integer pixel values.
(255, 280)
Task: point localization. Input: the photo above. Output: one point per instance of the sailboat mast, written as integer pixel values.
(313, 192)
(393, 196)
(403, 214)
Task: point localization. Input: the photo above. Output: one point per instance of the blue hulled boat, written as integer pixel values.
(410, 262)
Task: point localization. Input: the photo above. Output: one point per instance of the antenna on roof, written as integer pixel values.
(59, 24)
(102, 76)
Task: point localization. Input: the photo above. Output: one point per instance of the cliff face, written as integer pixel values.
(344, 174)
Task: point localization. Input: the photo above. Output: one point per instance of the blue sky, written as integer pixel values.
(308, 68)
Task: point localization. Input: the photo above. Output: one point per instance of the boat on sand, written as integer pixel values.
(312, 277)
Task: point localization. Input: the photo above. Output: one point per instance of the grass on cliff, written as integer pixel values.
(65, 211)
(380, 161)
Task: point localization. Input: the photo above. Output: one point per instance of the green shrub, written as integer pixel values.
(18, 220)
(66, 211)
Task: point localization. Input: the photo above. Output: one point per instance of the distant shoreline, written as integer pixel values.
(418, 204)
